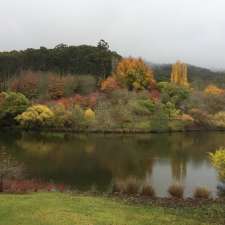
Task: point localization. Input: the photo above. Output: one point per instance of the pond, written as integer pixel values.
(95, 161)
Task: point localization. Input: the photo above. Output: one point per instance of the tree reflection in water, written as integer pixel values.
(93, 160)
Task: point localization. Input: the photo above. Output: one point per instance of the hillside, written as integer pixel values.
(199, 77)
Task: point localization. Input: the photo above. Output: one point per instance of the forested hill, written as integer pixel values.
(199, 77)
(62, 59)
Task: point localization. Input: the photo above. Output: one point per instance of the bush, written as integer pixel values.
(173, 93)
(218, 161)
(56, 87)
(11, 105)
(89, 115)
(134, 74)
(118, 187)
(201, 118)
(202, 193)
(181, 122)
(213, 90)
(79, 122)
(36, 116)
(147, 191)
(70, 85)
(131, 186)
(218, 119)
(62, 117)
(109, 85)
(176, 191)
(27, 84)
(86, 84)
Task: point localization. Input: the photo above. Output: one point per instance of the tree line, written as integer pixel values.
(62, 59)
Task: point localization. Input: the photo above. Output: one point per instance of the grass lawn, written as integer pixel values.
(66, 209)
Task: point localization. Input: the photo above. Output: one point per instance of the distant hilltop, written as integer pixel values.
(198, 76)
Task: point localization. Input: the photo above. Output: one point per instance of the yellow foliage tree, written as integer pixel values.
(179, 74)
(134, 74)
(213, 90)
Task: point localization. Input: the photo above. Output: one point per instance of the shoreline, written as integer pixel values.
(109, 131)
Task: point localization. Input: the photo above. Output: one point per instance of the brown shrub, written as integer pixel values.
(202, 192)
(131, 186)
(148, 191)
(176, 191)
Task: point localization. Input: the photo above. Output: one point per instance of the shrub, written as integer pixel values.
(148, 191)
(86, 84)
(56, 87)
(180, 122)
(134, 74)
(218, 119)
(109, 85)
(11, 105)
(218, 161)
(213, 90)
(176, 191)
(79, 121)
(202, 192)
(131, 186)
(201, 118)
(27, 84)
(89, 115)
(173, 93)
(118, 187)
(70, 85)
(36, 116)
(62, 116)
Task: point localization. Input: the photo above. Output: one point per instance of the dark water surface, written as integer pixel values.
(95, 161)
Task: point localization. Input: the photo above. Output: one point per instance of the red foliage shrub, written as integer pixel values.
(24, 186)
(154, 95)
(27, 84)
(110, 84)
(88, 101)
(56, 86)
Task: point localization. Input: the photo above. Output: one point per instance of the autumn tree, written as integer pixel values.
(134, 74)
(179, 75)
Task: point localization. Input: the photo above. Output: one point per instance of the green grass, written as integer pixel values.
(66, 209)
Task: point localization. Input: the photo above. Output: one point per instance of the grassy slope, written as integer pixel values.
(65, 209)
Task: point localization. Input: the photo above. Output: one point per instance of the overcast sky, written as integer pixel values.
(160, 31)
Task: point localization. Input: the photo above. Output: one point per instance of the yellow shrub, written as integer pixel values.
(89, 114)
(36, 116)
(218, 161)
(218, 119)
(213, 90)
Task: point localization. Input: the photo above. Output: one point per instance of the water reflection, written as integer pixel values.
(87, 161)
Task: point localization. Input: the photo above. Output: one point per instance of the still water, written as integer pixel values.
(96, 161)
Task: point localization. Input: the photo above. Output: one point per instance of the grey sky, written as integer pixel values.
(158, 30)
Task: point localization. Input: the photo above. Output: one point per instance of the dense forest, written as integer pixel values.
(62, 59)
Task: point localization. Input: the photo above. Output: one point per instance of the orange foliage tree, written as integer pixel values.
(214, 90)
(134, 74)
